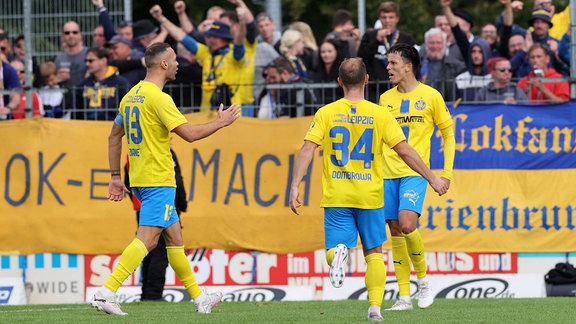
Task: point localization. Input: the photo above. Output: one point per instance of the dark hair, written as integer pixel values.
(352, 72)
(282, 64)
(341, 16)
(100, 52)
(321, 69)
(3, 36)
(153, 52)
(233, 16)
(408, 53)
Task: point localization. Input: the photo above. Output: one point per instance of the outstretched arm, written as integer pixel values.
(191, 133)
(175, 32)
(414, 161)
(300, 166)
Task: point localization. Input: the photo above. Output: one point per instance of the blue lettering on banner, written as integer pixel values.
(511, 137)
(505, 216)
(5, 293)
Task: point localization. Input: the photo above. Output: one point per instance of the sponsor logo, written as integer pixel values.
(5, 293)
(477, 288)
(257, 294)
(391, 291)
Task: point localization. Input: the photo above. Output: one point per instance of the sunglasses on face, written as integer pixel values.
(504, 70)
(68, 32)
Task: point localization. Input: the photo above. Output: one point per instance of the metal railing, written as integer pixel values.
(187, 98)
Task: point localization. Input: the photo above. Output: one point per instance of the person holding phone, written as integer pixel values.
(537, 85)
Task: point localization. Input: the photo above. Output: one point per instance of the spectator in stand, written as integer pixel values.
(269, 98)
(127, 60)
(289, 99)
(309, 57)
(452, 50)
(343, 31)
(475, 54)
(477, 76)
(292, 49)
(19, 49)
(98, 39)
(438, 70)
(267, 29)
(489, 33)
(51, 98)
(330, 57)
(375, 44)
(538, 90)
(8, 81)
(70, 64)
(37, 108)
(125, 30)
(212, 14)
(102, 91)
(145, 34)
(541, 22)
(221, 63)
(5, 48)
(518, 46)
(244, 88)
(501, 89)
(465, 22)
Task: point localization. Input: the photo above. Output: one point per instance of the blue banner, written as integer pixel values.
(511, 137)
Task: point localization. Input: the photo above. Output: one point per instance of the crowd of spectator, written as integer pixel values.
(235, 56)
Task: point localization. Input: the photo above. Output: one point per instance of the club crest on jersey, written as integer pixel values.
(420, 104)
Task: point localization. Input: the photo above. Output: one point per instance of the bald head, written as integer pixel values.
(352, 72)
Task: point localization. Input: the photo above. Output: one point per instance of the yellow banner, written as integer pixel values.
(55, 175)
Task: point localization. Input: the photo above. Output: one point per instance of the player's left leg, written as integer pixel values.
(340, 235)
(177, 258)
(413, 191)
(372, 230)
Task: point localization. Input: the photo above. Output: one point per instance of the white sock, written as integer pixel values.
(422, 281)
(200, 299)
(374, 309)
(406, 299)
(106, 292)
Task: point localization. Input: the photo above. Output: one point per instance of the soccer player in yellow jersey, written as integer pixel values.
(353, 131)
(418, 108)
(148, 116)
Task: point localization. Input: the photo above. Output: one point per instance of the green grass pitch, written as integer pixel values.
(534, 310)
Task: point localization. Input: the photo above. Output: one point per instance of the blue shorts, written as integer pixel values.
(404, 194)
(157, 206)
(342, 225)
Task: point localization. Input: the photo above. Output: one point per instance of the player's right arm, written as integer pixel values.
(191, 133)
(414, 161)
(116, 187)
(300, 166)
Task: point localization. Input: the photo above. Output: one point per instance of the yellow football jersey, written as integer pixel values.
(149, 116)
(417, 113)
(352, 134)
